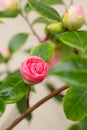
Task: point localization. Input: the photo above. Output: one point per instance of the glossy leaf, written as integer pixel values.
(41, 20)
(44, 50)
(44, 10)
(72, 70)
(75, 103)
(2, 107)
(13, 89)
(51, 2)
(75, 39)
(22, 106)
(17, 42)
(75, 127)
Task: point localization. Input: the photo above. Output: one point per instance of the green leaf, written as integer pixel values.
(51, 2)
(1, 59)
(9, 14)
(75, 39)
(13, 89)
(63, 48)
(44, 50)
(44, 10)
(41, 20)
(22, 106)
(17, 41)
(2, 107)
(75, 103)
(83, 124)
(27, 8)
(75, 127)
(72, 70)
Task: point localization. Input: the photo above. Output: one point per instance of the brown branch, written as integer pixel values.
(30, 25)
(29, 110)
(61, 95)
(72, 2)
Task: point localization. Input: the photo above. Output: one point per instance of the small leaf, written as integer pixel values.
(44, 10)
(22, 106)
(75, 39)
(72, 70)
(17, 41)
(41, 20)
(51, 2)
(75, 127)
(75, 103)
(9, 14)
(44, 50)
(1, 59)
(27, 8)
(2, 107)
(12, 89)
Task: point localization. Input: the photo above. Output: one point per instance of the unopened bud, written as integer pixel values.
(8, 4)
(74, 18)
(56, 27)
(6, 53)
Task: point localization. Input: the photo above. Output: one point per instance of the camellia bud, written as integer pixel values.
(34, 69)
(6, 53)
(8, 4)
(56, 27)
(74, 18)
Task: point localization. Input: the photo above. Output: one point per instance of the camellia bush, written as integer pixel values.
(62, 53)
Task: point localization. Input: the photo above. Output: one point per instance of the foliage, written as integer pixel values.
(71, 68)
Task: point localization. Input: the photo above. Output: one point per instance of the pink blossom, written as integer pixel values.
(74, 18)
(53, 61)
(34, 69)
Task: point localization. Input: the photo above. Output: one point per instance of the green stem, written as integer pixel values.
(28, 96)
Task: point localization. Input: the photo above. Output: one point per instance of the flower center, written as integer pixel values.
(37, 68)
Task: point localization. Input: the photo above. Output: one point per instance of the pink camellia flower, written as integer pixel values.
(8, 4)
(54, 60)
(34, 69)
(5, 53)
(74, 18)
